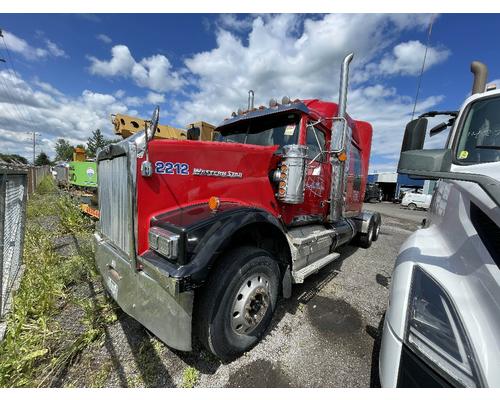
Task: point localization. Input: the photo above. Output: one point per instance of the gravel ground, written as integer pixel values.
(326, 335)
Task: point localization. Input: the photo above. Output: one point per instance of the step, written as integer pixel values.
(300, 275)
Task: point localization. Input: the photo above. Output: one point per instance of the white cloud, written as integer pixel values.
(55, 50)
(21, 46)
(119, 93)
(121, 63)
(235, 22)
(47, 87)
(52, 114)
(406, 58)
(155, 98)
(150, 98)
(153, 72)
(104, 38)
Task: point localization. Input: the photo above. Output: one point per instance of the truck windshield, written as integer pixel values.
(272, 130)
(479, 140)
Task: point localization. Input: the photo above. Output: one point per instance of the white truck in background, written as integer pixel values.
(414, 200)
(442, 325)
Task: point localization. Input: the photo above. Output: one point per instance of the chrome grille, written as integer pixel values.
(114, 204)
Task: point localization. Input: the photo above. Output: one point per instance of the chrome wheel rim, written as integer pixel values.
(250, 304)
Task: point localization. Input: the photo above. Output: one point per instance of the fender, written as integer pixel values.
(204, 236)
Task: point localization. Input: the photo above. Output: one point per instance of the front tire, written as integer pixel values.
(236, 305)
(412, 206)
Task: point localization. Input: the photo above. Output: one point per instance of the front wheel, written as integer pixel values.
(235, 307)
(412, 206)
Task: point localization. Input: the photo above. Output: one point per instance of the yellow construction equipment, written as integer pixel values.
(126, 126)
(200, 130)
(79, 154)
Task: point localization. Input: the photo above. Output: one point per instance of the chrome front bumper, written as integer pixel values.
(149, 300)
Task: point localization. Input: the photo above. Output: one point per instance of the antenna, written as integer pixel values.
(423, 64)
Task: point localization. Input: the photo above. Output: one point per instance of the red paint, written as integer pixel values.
(163, 192)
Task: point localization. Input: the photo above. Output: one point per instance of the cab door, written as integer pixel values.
(317, 182)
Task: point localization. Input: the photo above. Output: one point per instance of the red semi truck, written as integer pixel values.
(203, 237)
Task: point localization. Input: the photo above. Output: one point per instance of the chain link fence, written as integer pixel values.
(13, 197)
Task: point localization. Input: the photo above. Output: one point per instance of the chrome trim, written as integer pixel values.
(294, 156)
(150, 296)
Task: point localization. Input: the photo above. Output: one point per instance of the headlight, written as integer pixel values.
(435, 332)
(164, 242)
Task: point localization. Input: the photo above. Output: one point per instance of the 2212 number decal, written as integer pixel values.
(171, 168)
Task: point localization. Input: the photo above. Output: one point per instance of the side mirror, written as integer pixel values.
(415, 161)
(149, 133)
(424, 163)
(153, 124)
(414, 136)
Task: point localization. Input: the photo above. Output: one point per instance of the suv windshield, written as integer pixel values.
(480, 137)
(279, 130)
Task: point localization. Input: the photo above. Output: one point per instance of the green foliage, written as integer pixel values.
(42, 159)
(64, 150)
(35, 349)
(95, 142)
(71, 218)
(190, 377)
(46, 186)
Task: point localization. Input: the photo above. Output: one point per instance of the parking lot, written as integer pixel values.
(326, 335)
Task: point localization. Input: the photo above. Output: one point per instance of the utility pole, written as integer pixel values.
(34, 144)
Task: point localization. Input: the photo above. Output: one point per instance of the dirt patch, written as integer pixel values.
(333, 317)
(260, 374)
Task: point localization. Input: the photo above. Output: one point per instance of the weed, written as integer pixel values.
(101, 376)
(46, 186)
(35, 350)
(190, 377)
(134, 381)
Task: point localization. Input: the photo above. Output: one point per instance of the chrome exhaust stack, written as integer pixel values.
(251, 96)
(344, 81)
(340, 144)
(480, 72)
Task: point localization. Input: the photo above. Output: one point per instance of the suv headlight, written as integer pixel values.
(164, 242)
(435, 332)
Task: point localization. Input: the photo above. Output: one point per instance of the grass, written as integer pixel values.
(36, 349)
(190, 377)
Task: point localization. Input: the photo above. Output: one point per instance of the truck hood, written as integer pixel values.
(190, 172)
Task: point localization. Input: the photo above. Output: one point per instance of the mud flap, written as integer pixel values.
(287, 284)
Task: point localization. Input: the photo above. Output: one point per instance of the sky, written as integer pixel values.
(65, 74)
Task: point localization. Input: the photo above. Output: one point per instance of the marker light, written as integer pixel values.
(342, 156)
(213, 203)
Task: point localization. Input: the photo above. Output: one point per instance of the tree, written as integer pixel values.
(42, 159)
(96, 141)
(64, 151)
